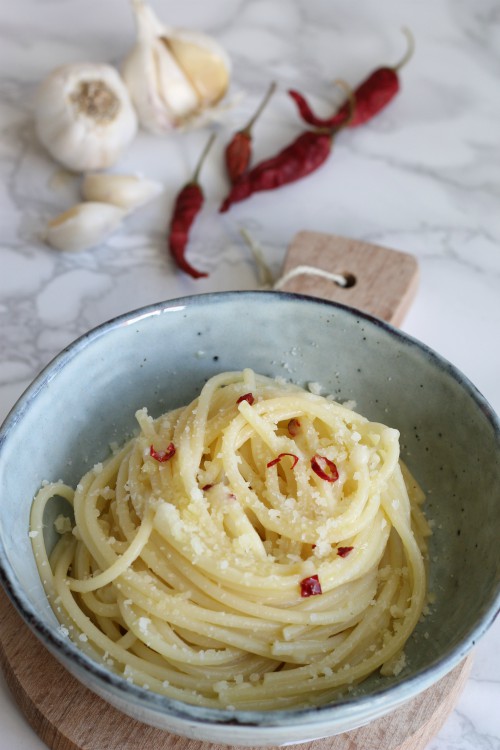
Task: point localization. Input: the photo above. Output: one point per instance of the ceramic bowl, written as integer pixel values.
(160, 357)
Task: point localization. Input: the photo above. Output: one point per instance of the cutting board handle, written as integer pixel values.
(368, 277)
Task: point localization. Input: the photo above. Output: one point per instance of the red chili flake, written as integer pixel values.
(247, 397)
(344, 551)
(310, 586)
(162, 456)
(187, 207)
(293, 426)
(207, 487)
(324, 468)
(371, 96)
(239, 149)
(282, 455)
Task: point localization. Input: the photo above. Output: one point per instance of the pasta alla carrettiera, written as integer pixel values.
(261, 548)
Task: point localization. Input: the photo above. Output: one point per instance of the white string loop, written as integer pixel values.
(266, 277)
(337, 278)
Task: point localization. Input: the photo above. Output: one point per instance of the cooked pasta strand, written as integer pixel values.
(273, 558)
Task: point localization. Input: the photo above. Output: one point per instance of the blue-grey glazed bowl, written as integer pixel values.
(159, 357)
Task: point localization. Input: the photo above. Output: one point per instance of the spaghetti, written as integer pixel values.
(261, 548)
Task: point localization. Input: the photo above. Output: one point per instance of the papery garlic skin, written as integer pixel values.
(128, 192)
(173, 75)
(83, 226)
(84, 116)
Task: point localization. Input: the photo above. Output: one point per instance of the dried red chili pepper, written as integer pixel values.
(371, 96)
(239, 149)
(306, 154)
(249, 397)
(293, 426)
(306, 112)
(301, 157)
(282, 455)
(344, 551)
(162, 456)
(187, 206)
(310, 586)
(320, 463)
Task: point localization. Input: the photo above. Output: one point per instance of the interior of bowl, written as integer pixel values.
(160, 358)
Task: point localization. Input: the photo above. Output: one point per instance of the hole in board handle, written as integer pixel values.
(349, 280)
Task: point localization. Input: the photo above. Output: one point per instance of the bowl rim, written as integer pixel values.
(388, 697)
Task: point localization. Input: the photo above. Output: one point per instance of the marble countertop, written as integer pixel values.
(423, 177)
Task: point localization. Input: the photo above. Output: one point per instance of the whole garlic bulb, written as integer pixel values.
(84, 116)
(174, 76)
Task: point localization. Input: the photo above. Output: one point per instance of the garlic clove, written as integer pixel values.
(125, 191)
(160, 91)
(172, 75)
(84, 116)
(174, 90)
(204, 62)
(83, 226)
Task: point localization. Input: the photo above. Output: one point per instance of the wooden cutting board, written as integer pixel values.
(66, 716)
(370, 278)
